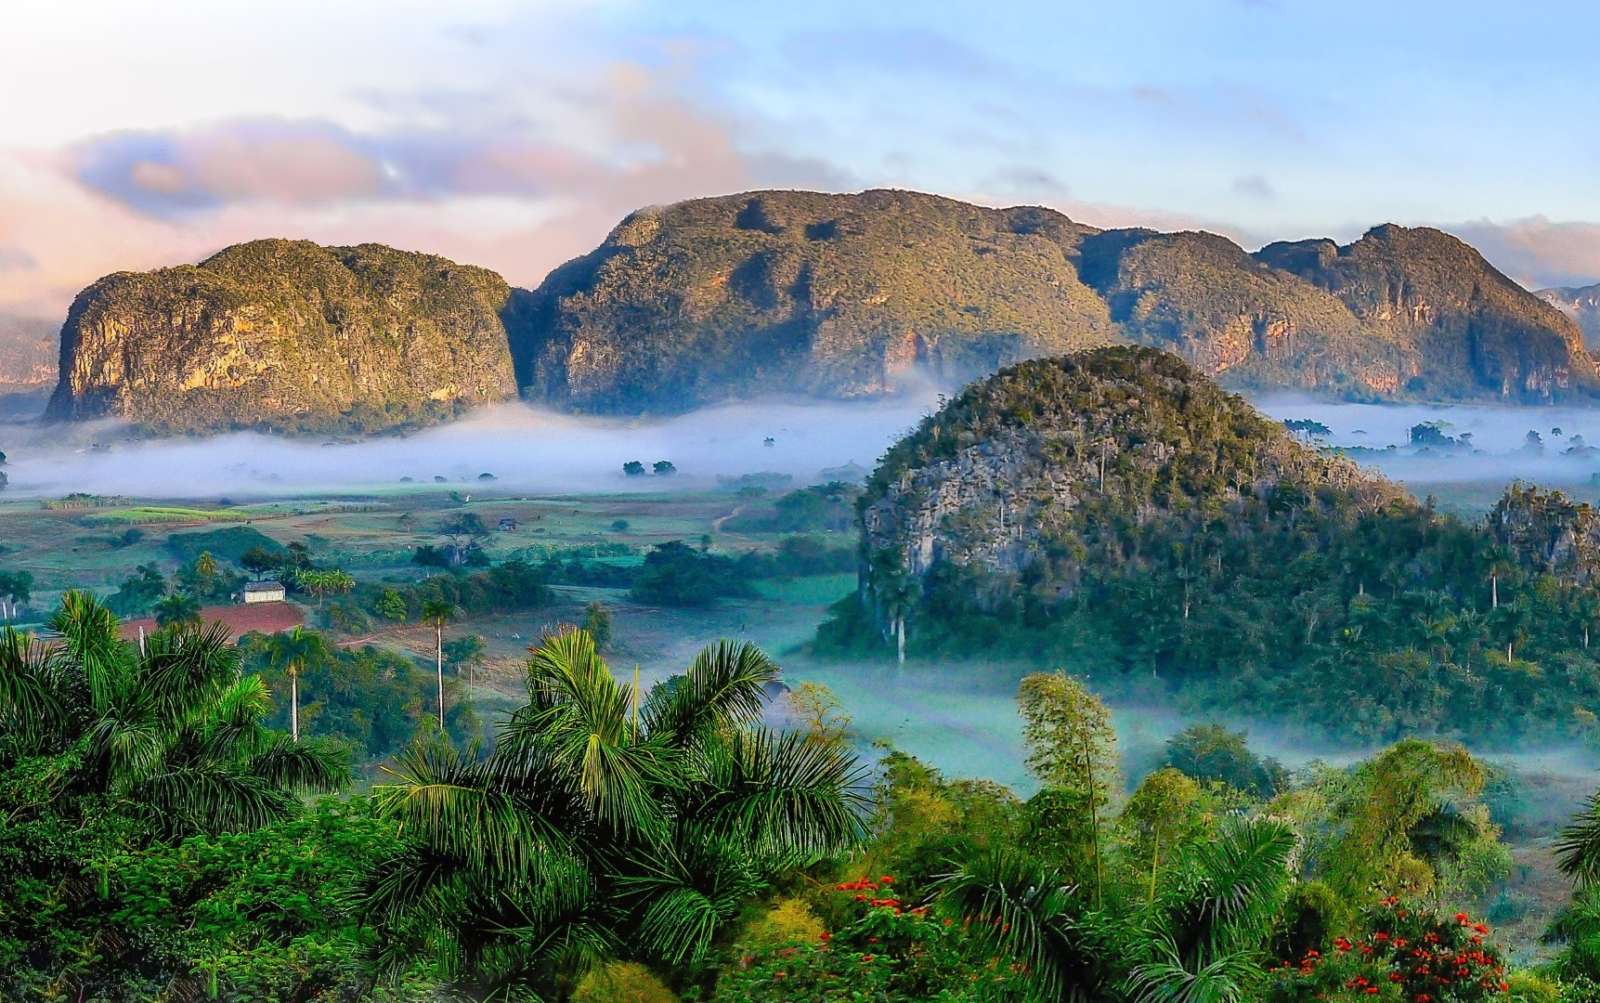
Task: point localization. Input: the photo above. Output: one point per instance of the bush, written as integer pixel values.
(622, 982)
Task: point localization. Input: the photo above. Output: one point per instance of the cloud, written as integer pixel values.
(1537, 251)
(15, 259)
(1254, 186)
(517, 181)
(247, 160)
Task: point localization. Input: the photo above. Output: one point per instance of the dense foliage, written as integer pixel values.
(1120, 512)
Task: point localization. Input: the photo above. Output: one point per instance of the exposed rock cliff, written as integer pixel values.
(796, 292)
(1465, 327)
(1582, 304)
(287, 334)
(27, 351)
(843, 295)
(838, 295)
(1015, 478)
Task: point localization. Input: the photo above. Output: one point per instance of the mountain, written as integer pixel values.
(797, 292)
(1582, 304)
(27, 351)
(287, 334)
(1116, 512)
(844, 295)
(836, 295)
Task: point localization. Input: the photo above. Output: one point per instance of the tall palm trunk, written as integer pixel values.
(438, 654)
(294, 701)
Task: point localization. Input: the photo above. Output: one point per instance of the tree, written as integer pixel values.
(107, 755)
(321, 583)
(663, 468)
(294, 651)
(392, 606)
(437, 613)
(819, 712)
(178, 608)
(597, 621)
(175, 732)
(259, 560)
(16, 588)
(597, 825)
(1160, 815)
(465, 652)
(633, 468)
(1212, 752)
(1071, 746)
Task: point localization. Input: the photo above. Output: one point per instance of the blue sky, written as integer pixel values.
(514, 134)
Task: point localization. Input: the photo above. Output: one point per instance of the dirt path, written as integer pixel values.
(717, 523)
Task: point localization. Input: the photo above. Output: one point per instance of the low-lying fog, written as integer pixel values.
(1499, 447)
(527, 449)
(524, 448)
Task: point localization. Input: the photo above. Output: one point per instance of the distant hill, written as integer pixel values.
(28, 350)
(287, 334)
(796, 292)
(1116, 512)
(844, 295)
(1582, 304)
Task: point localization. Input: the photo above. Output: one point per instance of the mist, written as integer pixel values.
(526, 449)
(1499, 438)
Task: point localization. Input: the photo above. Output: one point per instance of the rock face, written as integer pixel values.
(1011, 483)
(796, 292)
(846, 295)
(27, 351)
(837, 295)
(1582, 304)
(1462, 327)
(287, 334)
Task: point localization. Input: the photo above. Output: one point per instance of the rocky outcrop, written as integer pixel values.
(799, 292)
(1467, 329)
(287, 334)
(783, 292)
(27, 351)
(1582, 304)
(1012, 482)
(849, 295)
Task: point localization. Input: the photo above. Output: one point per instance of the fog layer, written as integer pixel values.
(524, 448)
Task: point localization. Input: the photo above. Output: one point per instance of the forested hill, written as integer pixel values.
(845, 295)
(1116, 512)
(290, 335)
(796, 292)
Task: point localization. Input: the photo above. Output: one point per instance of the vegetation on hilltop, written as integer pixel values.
(287, 334)
(1116, 511)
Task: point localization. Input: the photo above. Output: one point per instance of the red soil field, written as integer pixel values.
(267, 617)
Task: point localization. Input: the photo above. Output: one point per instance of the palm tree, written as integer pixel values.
(178, 608)
(438, 612)
(596, 827)
(1200, 941)
(173, 736)
(293, 651)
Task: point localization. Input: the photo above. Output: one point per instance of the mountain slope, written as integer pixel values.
(27, 351)
(287, 334)
(1582, 304)
(839, 295)
(843, 295)
(1114, 511)
(797, 292)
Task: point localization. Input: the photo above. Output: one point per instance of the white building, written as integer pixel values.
(264, 592)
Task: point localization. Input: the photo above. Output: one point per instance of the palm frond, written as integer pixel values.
(461, 810)
(1229, 891)
(1228, 978)
(33, 706)
(211, 801)
(309, 767)
(1027, 911)
(781, 792)
(90, 635)
(725, 686)
(1578, 848)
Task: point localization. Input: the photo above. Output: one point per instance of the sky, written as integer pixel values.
(515, 133)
